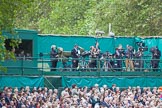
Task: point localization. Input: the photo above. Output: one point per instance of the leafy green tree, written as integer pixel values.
(8, 10)
(128, 17)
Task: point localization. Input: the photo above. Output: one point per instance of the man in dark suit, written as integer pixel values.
(119, 56)
(156, 54)
(54, 57)
(75, 57)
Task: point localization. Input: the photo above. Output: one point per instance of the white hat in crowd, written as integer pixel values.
(96, 85)
(104, 86)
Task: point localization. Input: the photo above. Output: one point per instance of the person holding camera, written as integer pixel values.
(54, 57)
(75, 53)
(98, 53)
(97, 47)
(156, 54)
(129, 53)
(107, 59)
(119, 53)
(139, 63)
(93, 57)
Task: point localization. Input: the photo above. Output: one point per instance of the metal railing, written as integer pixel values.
(96, 64)
(41, 65)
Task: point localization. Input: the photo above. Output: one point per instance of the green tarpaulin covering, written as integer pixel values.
(67, 42)
(119, 81)
(106, 43)
(20, 81)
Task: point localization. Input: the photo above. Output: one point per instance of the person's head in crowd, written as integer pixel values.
(102, 91)
(5, 88)
(50, 91)
(65, 92)
(74, 86)
(27, 88)
(12, 104)
(133, 88)
(105, 86)
(22, 89)
(160, 89)
(154, 90)
(117, 90)
(39, 89)
(85, 89)
(3, 101)
(34, 88)
(96, 85)
(8, 94)
(125, 98)
(113, 86)
(138, 87)
(16, 90)
(55, 91)
(45, 89)
(10, 89)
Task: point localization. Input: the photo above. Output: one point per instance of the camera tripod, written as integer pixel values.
(107, 66)
(83, 65)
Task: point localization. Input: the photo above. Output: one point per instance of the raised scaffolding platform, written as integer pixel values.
(38, 68)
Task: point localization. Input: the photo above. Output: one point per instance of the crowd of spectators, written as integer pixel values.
(81, 97)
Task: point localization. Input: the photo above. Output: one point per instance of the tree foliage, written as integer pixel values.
(83, 17)
(8, 11)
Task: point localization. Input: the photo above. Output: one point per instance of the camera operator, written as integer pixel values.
(138, 63)
(63, 59)
(54, 57)
(97, 47)
(119, 53)
(129, 54)
(107, 61)
(75, 57)
(156, 54)
(93, 57)
(98, 51)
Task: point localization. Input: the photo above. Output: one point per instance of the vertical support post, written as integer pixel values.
(42, 64)
(22, 65)
(109, 27)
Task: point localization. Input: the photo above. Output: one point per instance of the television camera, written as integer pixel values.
(142, 46)
(107, 54)
(85, 53)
